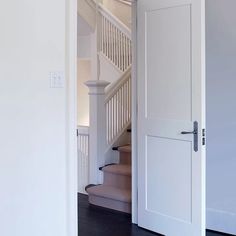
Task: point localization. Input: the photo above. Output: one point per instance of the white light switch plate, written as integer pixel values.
(57, 79)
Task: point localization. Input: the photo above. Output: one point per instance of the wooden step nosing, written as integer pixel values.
(125, 148)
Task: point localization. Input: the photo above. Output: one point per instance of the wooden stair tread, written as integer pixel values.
(118, 169)
(125, 148)
(123, 195)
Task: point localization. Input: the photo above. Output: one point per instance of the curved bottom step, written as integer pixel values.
(110, 203)
(109, 197)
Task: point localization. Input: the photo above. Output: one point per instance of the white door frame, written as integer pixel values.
(71, 116)
(134, 116)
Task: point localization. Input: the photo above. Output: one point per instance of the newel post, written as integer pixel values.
(97, 129)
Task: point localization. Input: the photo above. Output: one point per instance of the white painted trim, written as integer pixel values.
(96, 87)
(97, 128)
(203, 114)
(71, 117)
(134, 116)
(221, 221)
(83, 130)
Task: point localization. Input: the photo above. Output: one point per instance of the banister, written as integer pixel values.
(111, 91)
(111, 107)
(114, 20)
(118, 108)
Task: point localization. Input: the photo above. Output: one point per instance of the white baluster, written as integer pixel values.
(83, 158)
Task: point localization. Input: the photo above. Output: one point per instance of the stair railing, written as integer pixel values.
(83, 157)
(115, 40)
(118, 108)
(110, 116)
(110, 106)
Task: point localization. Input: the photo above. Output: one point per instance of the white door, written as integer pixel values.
(171, 66)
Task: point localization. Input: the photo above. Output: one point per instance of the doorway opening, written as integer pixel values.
(104, 103)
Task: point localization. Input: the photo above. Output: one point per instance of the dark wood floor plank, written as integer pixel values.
(96, 221)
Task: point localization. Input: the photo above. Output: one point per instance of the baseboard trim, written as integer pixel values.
(221, 221)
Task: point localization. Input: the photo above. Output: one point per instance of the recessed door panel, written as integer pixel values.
(171, 115)
(173, 196)
(169, 29)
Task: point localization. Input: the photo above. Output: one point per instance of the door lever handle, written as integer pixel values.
(195, 135)
(186, 132)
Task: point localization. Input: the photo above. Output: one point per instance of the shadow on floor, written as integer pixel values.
(96, 221)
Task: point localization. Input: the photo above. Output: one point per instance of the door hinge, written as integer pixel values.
(203, 137)
(203, 132)
(77, 132)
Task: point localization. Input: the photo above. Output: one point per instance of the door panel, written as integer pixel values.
(174, 200)
(172, 36)
(170, 98)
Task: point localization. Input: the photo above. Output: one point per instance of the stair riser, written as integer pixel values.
(110, 203)
(125, 158)
(118, 181)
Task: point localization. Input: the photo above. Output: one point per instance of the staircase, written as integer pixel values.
(115, 192)
(112, 109)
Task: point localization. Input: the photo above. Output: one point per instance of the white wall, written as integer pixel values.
(84, 47)
(84, 32)
(221, 115)
(84, 74)
(108, 71)
(32, 119)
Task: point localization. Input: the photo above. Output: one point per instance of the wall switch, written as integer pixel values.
(57, 79)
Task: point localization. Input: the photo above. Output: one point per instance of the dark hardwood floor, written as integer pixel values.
(95, 221)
